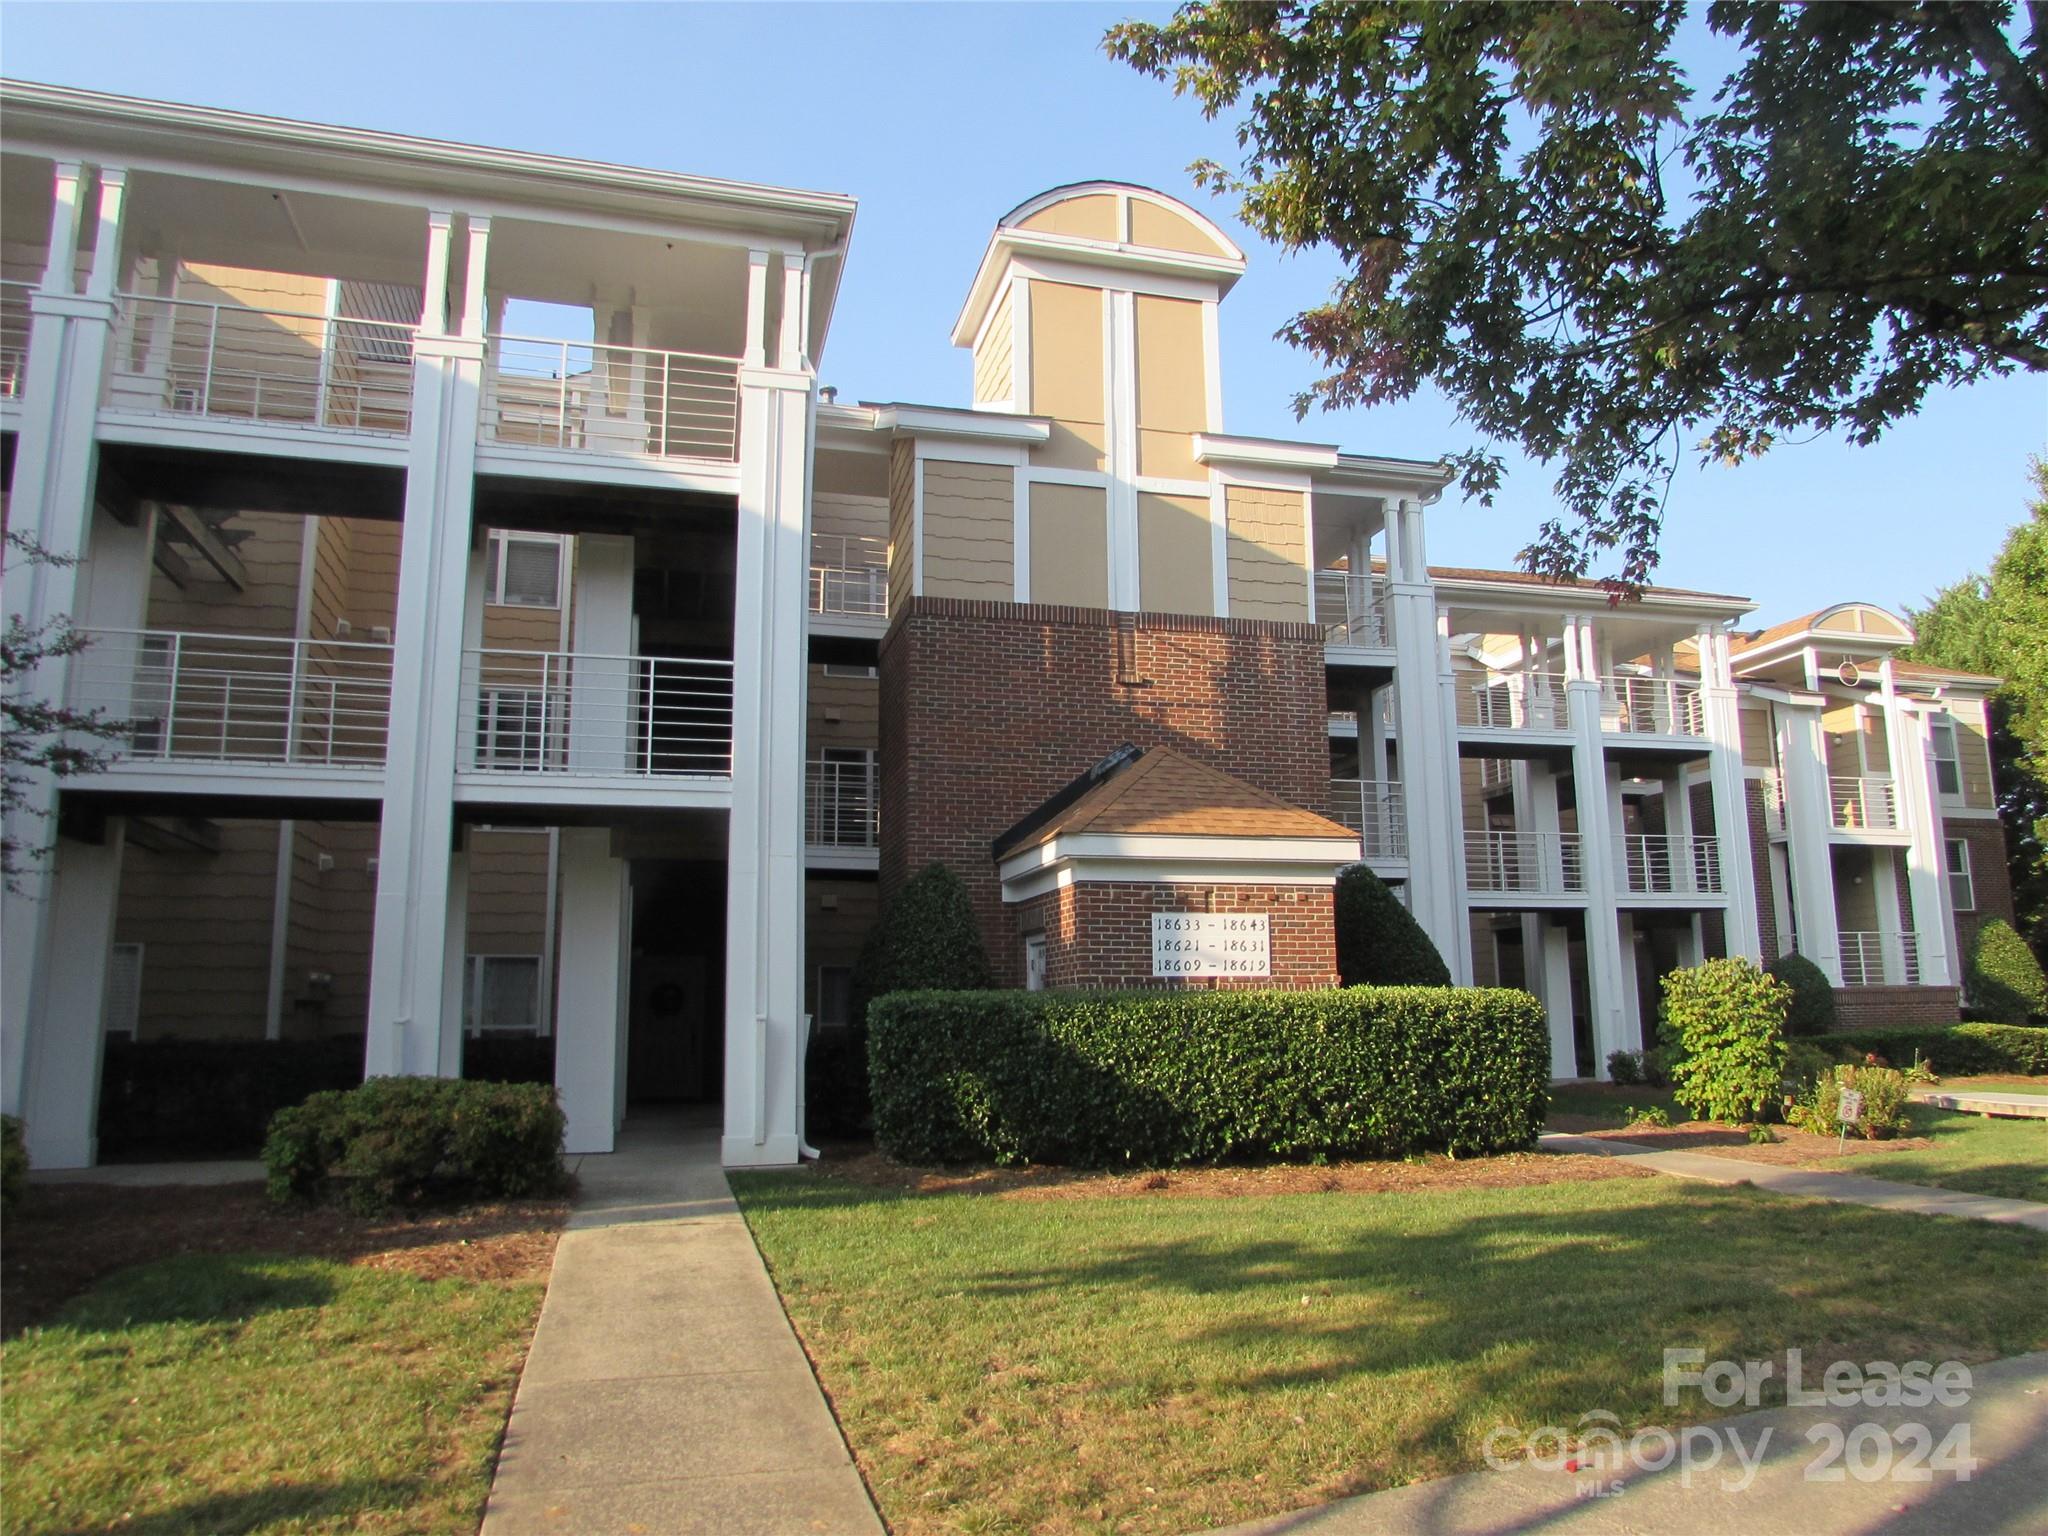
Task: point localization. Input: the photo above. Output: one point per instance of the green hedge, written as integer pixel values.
(13, 1163)
(1379, 943)
(2004, 980)
(1107, 1079)
(1813, 995)
(401, 1140)
(1960, 1050)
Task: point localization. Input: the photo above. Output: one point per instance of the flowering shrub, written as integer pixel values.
(1884, 1103)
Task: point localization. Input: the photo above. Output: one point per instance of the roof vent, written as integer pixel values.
(828, 395)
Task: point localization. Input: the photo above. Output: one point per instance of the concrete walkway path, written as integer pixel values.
(1984, 1101)
(2007, 1490)
(1810, 1183)
(665, 1393)
(150, 1175)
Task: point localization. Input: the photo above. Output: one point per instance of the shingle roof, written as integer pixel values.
(1165, 793)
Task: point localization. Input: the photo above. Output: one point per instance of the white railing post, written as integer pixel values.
(293, 682)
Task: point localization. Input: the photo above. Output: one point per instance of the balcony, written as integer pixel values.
(246, 701)
(1879, 959)
(582, 715)
(842, 803)
(176, 357)
(1352, 610)
(1515, 701)
(1375, 812)
(850, 576)
(1667, 864)
(1652, 706)
(1524, 863)
(14, 327)
(1857, 804)
(580, 397)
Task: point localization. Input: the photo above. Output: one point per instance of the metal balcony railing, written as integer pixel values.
(1527, 863)
(1515, 701)
(1655, 706)
(842, 803)
(1375, 812)
(592, 398)
(184, 358)
(222, 698)
(14, 327)
(1352, 609)
(1668, 864)
(1864, 802)
(585, 714)
(1877, 959)
(850, 575)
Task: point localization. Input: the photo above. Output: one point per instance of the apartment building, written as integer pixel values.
(512, 639)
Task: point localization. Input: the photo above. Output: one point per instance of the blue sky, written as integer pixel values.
(942, 117)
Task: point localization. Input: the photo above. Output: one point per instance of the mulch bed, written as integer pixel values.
(1797, 1149)
(65, 1237)
(860, 1163)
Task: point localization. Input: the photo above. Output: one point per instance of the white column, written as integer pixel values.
(1553, 957)
(408, 1031)
(454, 965)
(1809, 817)
(765, 871)
(601, 707)
(1884, 891)
(1425, 728)
(1594, 797)
(1742, 932)
(1631, 996)
(60, 1103)
(1933, 918)
(590, 989)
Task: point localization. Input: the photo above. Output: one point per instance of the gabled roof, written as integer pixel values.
(1161, 792)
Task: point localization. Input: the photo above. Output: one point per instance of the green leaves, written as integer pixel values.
(1608, 263)
(1727, 1020)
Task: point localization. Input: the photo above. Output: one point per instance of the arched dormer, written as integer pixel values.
(1118, 213)
(1866, 621)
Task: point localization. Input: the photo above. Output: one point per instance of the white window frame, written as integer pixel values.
(824, 1019)
(849, 669)
(1967, 902)
(129, 1026)
(1942, 727)
(1034, 962)
(473, 991)
(523, 746)
(495, 563)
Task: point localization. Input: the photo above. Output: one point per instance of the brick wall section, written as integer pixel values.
(1990, 876)
(1100, 935)
(1895, 1007)
(988, 708)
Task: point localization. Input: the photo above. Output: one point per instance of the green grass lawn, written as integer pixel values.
(210, 1394)
(1163, 1365)
(1978, 1154)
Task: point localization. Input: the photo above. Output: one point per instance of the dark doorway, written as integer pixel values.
(675, 1031)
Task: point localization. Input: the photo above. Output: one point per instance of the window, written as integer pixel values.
(502, 995)
(1948, 770)
(122, 1005)
(841, 669)
(510, 728)
(835, 995)
(523, 570)
(1034, 963)
(1962, 889)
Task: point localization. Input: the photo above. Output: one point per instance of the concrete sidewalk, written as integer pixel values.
(2007, 1491)
(1810, 1183)
(665, 1393)
(1984, 1101)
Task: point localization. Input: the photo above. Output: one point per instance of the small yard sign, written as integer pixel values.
(1851, 1111)
(1211, 944)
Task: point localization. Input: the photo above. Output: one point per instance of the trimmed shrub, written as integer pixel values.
(926, 938)
(400, 1140)
(172, 1098)
(1805, 1065)
(1379, 943)
(1120, 1079)
(1625, 1067)
(1884, 1103)
(13, 1163)
(1726, 1020)
(1813, 995)
(2005, 981)
(1959, 1050)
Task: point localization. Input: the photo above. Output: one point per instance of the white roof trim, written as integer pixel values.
(1093, 857)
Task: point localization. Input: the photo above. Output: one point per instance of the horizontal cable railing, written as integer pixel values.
(216, 698)
(1375, 811)
(1515, 701)
(593, 398)
(14, 327)
(1864, 803)
(579, 713)
(1533, 863)
(850, 575)
(183, 357)
(1656, 706)
(1668, 864)
(1879, 959)
(1351, 609)
(841, 803)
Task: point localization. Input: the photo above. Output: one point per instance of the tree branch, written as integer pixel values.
(2008, 74)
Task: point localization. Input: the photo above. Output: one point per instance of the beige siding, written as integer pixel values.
(1165, 230)
(331, 919)
(1755, 723)
(853, 474)
(204, 922)
(1066, 374)
(843, 711)
(1176, 558)
(994, 359)
(1173, 396)
(1268, 555)
(969, 530)
(835, 514)
(1840, 725)
(289, 291)
(1973, 751)
(1092, 218)
(267, 605)
(1855, 890)
(508, 888)
(833, 935)
(373, 576)
(515, 627)
(1070, 545)
(902, 521)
